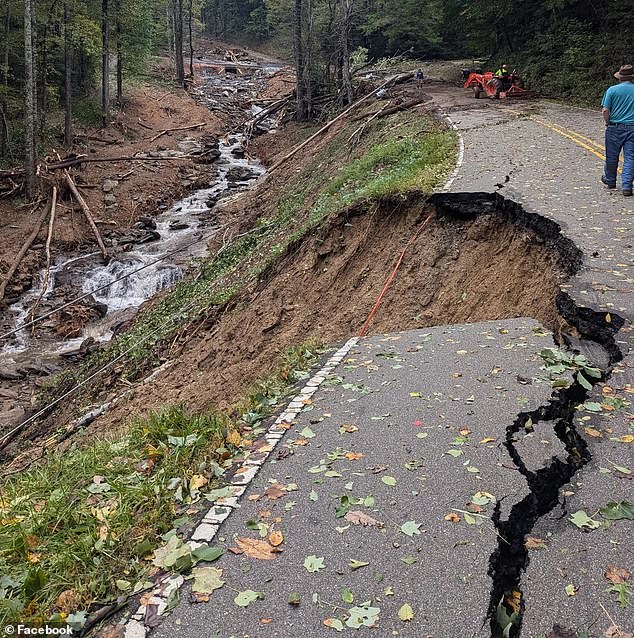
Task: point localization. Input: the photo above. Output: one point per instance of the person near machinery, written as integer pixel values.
(618, 115)
(503, 72)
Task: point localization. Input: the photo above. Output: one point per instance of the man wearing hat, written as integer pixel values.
(618, 114)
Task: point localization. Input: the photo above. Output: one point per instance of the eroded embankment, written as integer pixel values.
(472, 263)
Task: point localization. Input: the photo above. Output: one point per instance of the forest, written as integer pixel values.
(67, 62)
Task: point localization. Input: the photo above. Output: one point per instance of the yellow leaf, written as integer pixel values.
(197, 481)
(465, 432)
(33, 557)
(406, 613)
(608, 318)
(354, 456)
(592, 432)
(276, 538)
(627, 438)
(489, 439)
(514, 601)
(234, 438)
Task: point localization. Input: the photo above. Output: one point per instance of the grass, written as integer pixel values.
(77, 529)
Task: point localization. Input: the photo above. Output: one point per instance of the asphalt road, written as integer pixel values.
(423, 415)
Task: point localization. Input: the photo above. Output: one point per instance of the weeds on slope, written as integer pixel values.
(78, 530)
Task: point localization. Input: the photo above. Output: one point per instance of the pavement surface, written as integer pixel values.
(396, 460)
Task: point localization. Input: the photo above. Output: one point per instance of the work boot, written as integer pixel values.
(627, 192)
(605, 181)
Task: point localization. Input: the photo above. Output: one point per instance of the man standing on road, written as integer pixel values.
(618, 114)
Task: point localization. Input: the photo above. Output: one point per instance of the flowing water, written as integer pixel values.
(136, 275)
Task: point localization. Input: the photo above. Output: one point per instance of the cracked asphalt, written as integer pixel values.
(429, 409)
(413, 421)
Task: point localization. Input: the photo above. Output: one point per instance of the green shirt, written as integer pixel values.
(619, 100)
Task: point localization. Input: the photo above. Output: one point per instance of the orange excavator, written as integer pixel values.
(496, 86)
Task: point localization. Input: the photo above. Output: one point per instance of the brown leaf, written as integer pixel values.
(266, 621)
(254, 497)
(257, 549)
(561, 632)
(617, 575)
(276, 538)
(349, 428)
(465, 432)
(199, 597)
(68, 601)
(534, 543)
(275, 491)
(361, 518)
(111, 631)
(301, 442)
(475, 509)
(616, 632)
(452, 518)
(354, 456)
(592, 432)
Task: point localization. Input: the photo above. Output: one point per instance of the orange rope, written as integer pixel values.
(392, 275)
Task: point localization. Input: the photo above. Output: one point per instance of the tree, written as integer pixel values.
(68, 78)
(30, 103)
(105, 64)
(177, 12)
(346, 73)
(300, 70)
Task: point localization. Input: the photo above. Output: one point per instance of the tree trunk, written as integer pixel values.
(298, 45)
(105, 64)
(68, 87)
(178, 41)
(346, 17)
(30, 104)
(191, 39)
(119, 55)
(5, 53)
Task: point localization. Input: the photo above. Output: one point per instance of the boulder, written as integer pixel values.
(241, 174)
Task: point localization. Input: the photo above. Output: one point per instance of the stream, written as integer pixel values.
(157, 255)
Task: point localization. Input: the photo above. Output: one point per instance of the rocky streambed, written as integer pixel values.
(83, 302)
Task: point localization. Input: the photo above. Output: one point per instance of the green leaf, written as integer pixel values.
(422, 435)
(584, 382)
(314, 564)
(245, 598)
(307, 433)
(123, 585)
(389, 480)
(334, 623)
(614, 511)
(409, 560)
(294, 598)
(406, 613)
(207, 579)
(388, 591)
(173, 552)
(356, 564)
(207, 554)
(592, 406)
(347, 596)
(582, 520)
(473, 469)
(313, 496)
(362, 617)
(410, 528)
(455, 453)
(332, 474)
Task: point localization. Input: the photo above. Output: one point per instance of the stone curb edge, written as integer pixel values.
(221, 509)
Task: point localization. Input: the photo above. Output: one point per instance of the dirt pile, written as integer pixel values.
(459, 270)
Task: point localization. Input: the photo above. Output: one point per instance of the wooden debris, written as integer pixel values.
(177, 128)
(25, 247)
(84, 207)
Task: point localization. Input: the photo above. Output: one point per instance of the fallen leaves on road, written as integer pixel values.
(534, 543)
(614, 511)
(334, 623)
(410, 528)
(617, 575)
(357, 517)
(262, 550)
(406, 613)
(276, 538)
(245, 598)
(583, 521)
(571, 590)
(275, 491)
(206, 581)
(354, 564)
(452, 518)
(314, 564)
(616, 632)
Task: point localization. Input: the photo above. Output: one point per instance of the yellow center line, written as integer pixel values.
(572, 135)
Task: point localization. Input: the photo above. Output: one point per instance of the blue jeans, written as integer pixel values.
(619, 137)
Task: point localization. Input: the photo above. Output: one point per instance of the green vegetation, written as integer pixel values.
(565, 48)
(78, 529)
(401, 154)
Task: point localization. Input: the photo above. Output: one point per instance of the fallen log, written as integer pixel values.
(177, 128)
(49, 237)
(397, 79)
(403, 107)
(27, 244)
(84, 207)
